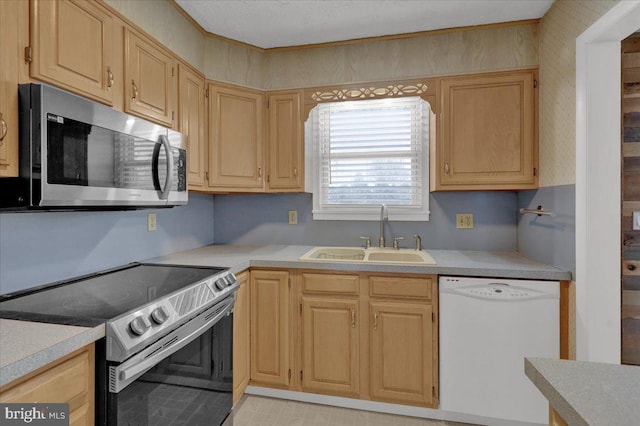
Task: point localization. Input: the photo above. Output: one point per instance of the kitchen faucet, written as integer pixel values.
(384, 215)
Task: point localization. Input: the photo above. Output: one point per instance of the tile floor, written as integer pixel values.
(256, 410)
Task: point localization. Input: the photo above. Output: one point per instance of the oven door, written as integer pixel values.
(184, 378)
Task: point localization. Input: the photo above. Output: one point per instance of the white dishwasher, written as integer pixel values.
(487, 327)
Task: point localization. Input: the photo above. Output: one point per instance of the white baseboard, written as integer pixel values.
(381, 407)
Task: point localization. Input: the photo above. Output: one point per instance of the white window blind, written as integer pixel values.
(370, 153)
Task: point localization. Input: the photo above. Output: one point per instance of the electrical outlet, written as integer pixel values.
(293, 217)
(464, 220)
(151, 222)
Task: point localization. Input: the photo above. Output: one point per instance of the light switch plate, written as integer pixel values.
(464, 220)
(636, 220)
(151, 222)
(293, 217)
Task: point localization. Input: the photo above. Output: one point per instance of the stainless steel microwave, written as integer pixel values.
(79, 154)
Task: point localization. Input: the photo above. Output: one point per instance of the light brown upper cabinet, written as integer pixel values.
(236, 140)
(150, 80)
(193, 117)
(72, 47)
(14, 36)
(488, 136)
(285, 144)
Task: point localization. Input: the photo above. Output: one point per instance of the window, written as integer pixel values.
(368, 153)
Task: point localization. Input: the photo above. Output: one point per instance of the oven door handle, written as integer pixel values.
(145, 364)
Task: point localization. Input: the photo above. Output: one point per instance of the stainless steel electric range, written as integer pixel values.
(167, 355)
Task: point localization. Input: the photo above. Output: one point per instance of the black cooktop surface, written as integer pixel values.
(92, 300)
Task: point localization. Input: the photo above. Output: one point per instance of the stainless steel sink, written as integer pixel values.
(370, 255)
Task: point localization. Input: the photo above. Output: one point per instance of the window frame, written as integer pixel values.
(367, 212)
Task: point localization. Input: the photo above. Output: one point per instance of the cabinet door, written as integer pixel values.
(270, 363)
(236, 139)
(70, 380)
(191, 107)
(14, 37)
(402, 353)
(72, 47)
(285, 144)
(488, 138)
(241, 338)
(149, 80)
(330, 355)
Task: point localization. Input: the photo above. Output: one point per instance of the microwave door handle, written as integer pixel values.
(164, 193)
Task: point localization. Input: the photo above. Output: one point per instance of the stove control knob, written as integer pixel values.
(230, 279)
(139, 326)
(221, 284)
(159, 315)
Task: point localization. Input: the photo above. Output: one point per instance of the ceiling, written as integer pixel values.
(280, 23)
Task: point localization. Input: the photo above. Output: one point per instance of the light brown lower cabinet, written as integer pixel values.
(401, 352)
(357, 335)
(330, 346)
(555, 419)
(241, 337)
(270, 346)
(404, 339)
(67, 380)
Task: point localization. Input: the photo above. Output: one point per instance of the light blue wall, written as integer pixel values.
(262, 219)
(549, 239)
(39, 248)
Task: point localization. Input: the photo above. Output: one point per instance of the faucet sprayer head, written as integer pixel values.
(384, 214)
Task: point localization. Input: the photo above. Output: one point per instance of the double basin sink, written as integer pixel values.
(369, 255)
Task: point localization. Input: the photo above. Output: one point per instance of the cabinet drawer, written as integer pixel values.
(330, 283)
(81, 416)
(401, 287)
(71, 381)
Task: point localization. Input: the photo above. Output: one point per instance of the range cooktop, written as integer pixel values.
(95, 299)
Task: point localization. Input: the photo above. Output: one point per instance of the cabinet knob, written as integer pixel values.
(4, 128)
(631, 267)
(375, 320)
(134, 87)
(353, 318)
(446, 167)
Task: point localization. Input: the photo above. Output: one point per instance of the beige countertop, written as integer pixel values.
(588, 393)
(26, 346)
(448, 262)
